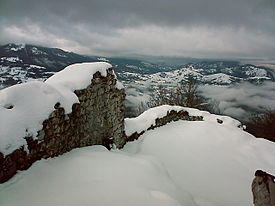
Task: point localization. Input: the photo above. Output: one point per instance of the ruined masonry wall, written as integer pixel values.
(97, 119)
(171, 116)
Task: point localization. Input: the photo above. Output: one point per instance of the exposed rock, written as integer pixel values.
(219, 121)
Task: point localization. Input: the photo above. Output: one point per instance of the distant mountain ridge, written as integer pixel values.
(23, 62)
(214, 73)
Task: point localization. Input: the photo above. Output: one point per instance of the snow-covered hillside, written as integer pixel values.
(218, 74)
(22, 62)
(201, 163)
(211, 76)
(216, 82)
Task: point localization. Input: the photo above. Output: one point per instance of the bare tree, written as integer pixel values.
(187, 94)
(184, 94)
(162, 96)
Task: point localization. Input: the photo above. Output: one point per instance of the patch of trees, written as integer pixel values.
(185, 94)
(262, 125)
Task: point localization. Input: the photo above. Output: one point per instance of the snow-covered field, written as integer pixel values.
(185, 163)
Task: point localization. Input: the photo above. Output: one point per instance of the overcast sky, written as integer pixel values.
(190, 28)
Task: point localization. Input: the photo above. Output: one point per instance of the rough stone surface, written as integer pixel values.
(97, 119)
(170, 117)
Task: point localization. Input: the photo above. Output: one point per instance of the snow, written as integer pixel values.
(20, 74)
(171, 78)
(259, 78)
(257, 72)
(31, 104)
(94, 176)
(132, 66)
(24, 107)
(17, 47)
(119, 85)
(219, 78)
(32, 66)
(188, 163)
(147, 118)
(61, 55)
(75, 77)
(36, 51)
(214, 163)
(174, 76)
(103, 59)
(10, 59)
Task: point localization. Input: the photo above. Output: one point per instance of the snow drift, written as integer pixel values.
(188, 163)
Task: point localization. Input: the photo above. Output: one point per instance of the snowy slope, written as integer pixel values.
(184, 163)
(211, 76)
(205, 72)
(17, 74)
(94, 176)
(20, 57)
(23, 62)
(215, 163)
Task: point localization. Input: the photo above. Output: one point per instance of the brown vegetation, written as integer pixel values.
(185, 94)
(263, 125)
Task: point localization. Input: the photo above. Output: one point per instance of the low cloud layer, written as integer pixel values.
(242, 100)
(197, 28)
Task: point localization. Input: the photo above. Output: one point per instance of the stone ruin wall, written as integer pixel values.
(171, 116)
(97, 119)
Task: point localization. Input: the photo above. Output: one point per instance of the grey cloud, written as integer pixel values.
(127, 12)
(235, 112)
(242, 100)
(86, 26)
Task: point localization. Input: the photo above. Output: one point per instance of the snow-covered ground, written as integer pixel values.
(10, 59)
(214, 163)
(198, 163)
